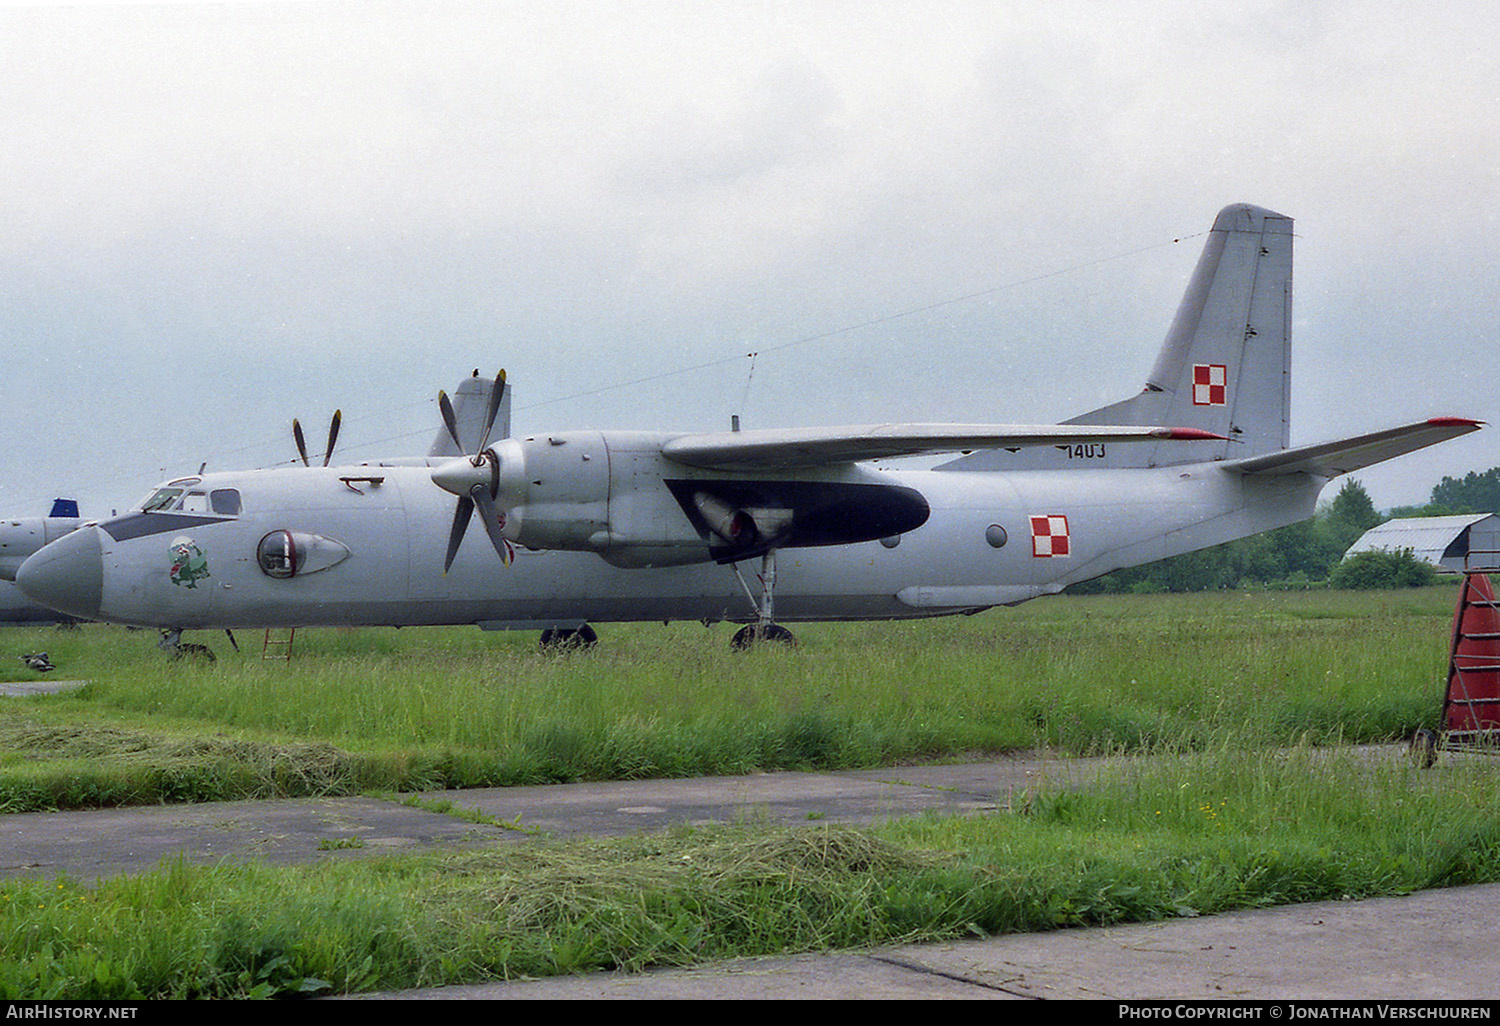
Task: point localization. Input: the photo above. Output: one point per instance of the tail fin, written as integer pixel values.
(1224, 367)
(471, 401)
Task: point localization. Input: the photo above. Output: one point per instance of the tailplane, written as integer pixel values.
(1330, 459)
(1224, 367)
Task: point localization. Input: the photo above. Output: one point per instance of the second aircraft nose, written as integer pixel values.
(66, 575)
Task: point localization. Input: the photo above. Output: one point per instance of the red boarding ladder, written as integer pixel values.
(278, 643)
(1471, 706)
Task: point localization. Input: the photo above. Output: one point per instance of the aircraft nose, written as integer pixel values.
(67, 575)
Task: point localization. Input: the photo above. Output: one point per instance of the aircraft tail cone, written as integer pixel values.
(1472, 702)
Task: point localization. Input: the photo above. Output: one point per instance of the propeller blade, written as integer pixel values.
(490, 516)
(445, 407)
(333, 435)
(496, 394)
(301, 442)
(461, 516)
(458, 477)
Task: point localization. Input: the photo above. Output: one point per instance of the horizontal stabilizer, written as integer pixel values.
(783, 449)
(1330, 459)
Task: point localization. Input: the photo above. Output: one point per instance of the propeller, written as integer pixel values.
(333, 434)
(474, 479)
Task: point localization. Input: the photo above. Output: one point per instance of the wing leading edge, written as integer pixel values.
(794, 448)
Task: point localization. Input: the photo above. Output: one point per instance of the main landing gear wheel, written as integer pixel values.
(569, 639)
(765, 627)
(747, 637)
(1423, 749)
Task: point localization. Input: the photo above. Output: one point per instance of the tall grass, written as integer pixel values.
(423, 708)
(1234, 800)
(1230, 829)
(1170, 836)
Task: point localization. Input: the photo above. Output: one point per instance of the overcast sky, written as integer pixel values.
(215, 218)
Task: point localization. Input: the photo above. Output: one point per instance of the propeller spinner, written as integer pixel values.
(474, 479)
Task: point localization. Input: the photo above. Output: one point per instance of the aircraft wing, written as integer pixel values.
(790, 448)
(1330, 459)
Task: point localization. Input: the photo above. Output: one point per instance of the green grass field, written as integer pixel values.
(424, 708)
(1242, 705)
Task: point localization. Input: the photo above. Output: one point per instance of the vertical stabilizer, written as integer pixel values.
(470, 402)
(1224, 366)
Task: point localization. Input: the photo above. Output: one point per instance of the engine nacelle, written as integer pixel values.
(554, 489)
(619, 496)
(20, 538)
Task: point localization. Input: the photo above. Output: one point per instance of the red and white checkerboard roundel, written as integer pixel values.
(1210, 384)
(1049, 535)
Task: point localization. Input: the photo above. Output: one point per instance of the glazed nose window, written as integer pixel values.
(277, 555)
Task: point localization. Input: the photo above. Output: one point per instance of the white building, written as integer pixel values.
(1469, 540)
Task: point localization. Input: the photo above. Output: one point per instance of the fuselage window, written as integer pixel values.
(195, 502)
(225, 501)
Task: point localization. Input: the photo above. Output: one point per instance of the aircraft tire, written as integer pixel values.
(1423, 748)
(747, 637)
(567, 639)
(193, 651)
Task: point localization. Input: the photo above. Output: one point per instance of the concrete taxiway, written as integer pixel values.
(104, 842)
(1431, 945)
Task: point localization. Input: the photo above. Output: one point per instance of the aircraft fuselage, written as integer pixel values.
(369, 542)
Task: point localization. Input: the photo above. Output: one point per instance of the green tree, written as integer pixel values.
(1473, 493)
(1351, 513)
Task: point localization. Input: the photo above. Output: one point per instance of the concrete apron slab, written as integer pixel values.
(97, 843)
(104, 842)
(858, 797)
(27, 688)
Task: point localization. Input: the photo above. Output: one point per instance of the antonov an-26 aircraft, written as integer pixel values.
(590, 526)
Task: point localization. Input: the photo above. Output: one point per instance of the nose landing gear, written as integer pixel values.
(569, 639)
(171, 642)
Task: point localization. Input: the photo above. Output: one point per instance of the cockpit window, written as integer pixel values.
(162, 498)
(174, 496)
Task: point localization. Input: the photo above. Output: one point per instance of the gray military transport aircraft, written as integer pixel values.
(590, 526)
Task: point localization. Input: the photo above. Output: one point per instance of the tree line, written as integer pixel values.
(1310, 554)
